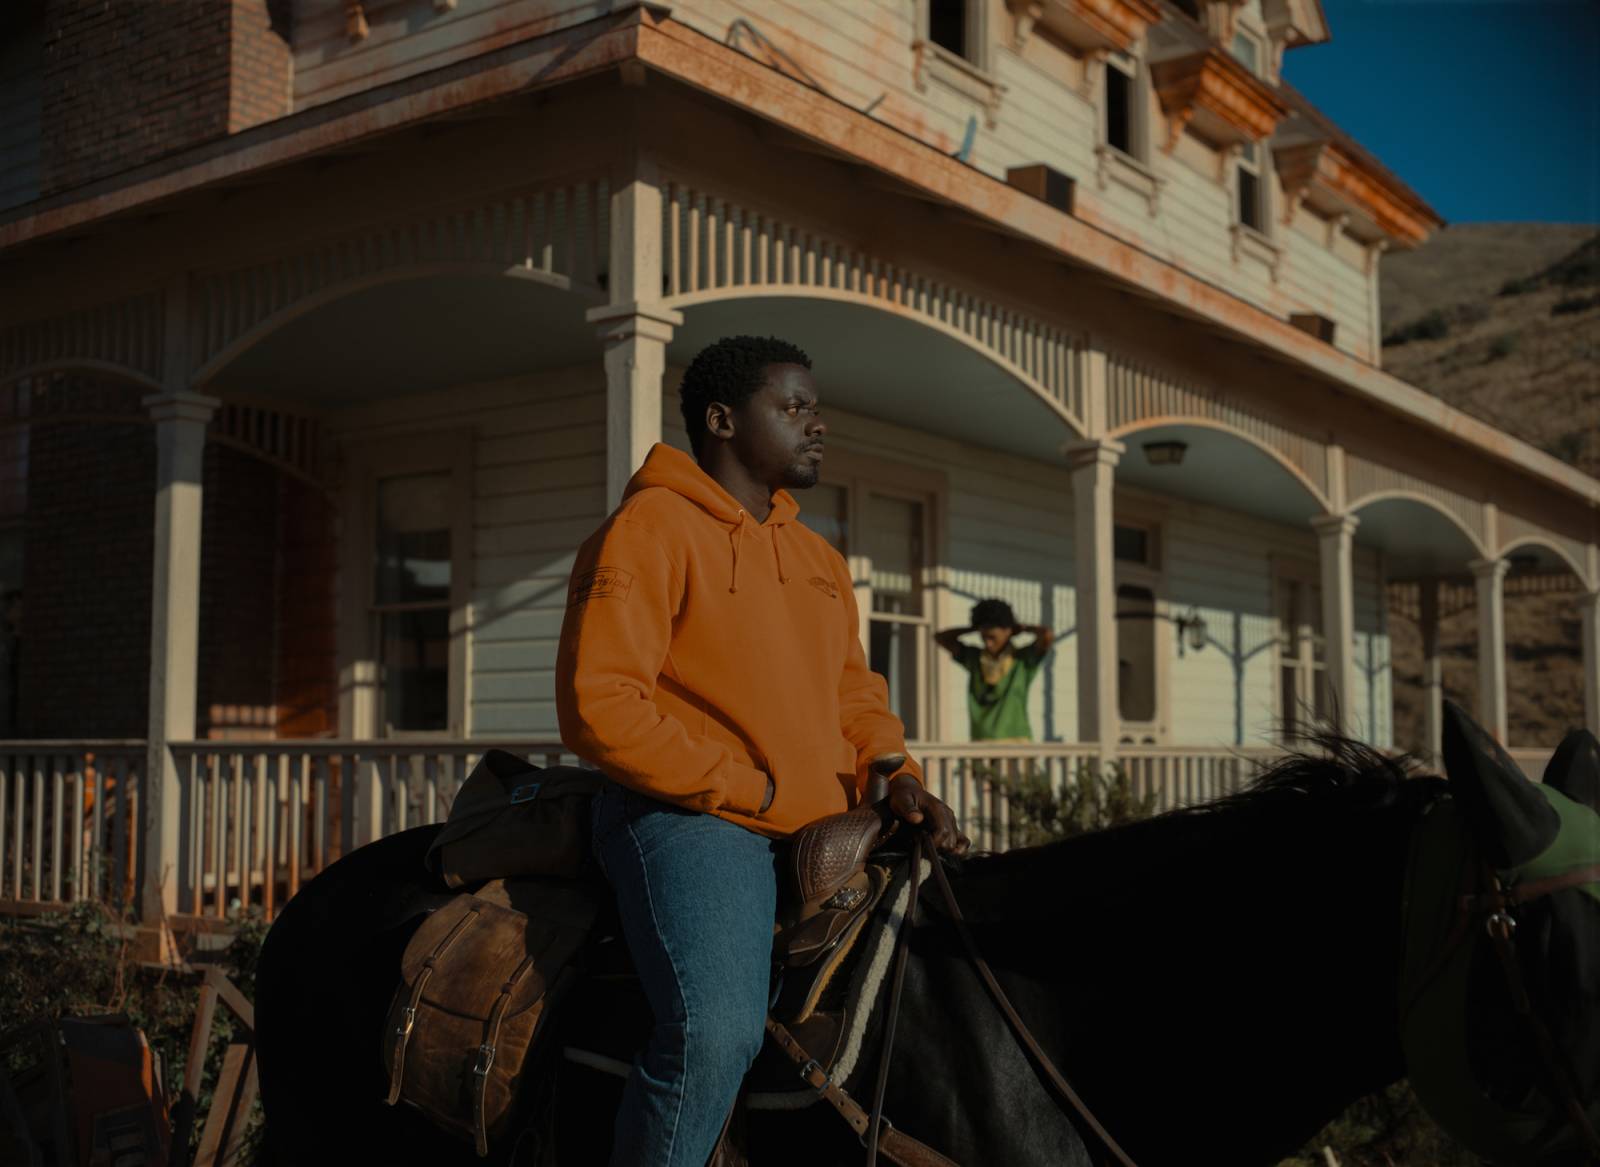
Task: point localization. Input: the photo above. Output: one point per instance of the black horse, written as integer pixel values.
(1217, 983)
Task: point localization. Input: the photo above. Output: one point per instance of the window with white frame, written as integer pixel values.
(410, 612)
(405, 605)
(1303, 701)
(883, 528)
(1136, 552)
(956, 26)
(1120, 115)
(1251, 191)
(1247, 51)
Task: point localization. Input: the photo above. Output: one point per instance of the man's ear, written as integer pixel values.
(719, 419)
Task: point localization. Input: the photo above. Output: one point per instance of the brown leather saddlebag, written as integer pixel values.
(478, 980)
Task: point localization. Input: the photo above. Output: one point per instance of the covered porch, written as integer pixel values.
(461, 367)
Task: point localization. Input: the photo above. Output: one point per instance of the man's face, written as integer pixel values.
(995, 639)
(778, 431)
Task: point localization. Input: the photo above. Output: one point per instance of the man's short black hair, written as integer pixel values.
(993, 614)
(729, 371)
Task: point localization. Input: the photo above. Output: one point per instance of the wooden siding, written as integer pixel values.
(538, 490)
(1037, 109)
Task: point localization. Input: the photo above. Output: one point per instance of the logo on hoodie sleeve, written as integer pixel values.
(599, 584)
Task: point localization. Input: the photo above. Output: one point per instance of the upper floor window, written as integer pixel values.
(1121, 102)
(1246, 51)
(1250, 210)
(956, 26)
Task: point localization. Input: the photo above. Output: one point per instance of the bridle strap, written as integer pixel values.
(1500, 927)
(1024, 1038)
(897, 1148)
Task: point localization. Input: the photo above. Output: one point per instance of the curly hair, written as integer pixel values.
(729, 371)
(993, 614)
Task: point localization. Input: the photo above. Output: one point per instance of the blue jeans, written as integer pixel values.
(697, 897)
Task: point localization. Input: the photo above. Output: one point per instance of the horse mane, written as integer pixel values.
(1322, 771)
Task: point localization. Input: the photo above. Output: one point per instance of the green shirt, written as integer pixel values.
(1001, 710)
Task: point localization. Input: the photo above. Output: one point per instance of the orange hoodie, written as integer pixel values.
(702, 651)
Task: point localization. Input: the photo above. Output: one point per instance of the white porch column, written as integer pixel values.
(634, 327)
(1336, 555)
(181, 419)
(636, 339)
(1094, 466)
(1490, 574)
(1590, 605)
(1432, 672)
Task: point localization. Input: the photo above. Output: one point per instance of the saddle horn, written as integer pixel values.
(1574, 769)
(1509, 816)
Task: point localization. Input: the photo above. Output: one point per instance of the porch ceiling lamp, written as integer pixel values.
(1165, 453)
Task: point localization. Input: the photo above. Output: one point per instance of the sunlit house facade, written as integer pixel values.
(328, 329)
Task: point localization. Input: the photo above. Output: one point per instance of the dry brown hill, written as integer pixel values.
(1502, 320)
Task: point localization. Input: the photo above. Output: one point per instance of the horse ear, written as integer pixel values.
(1509, 817)
(1574, 768)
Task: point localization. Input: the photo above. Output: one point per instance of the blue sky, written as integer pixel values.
(1489, 109)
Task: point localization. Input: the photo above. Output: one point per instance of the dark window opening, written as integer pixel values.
(1130, 544)
(1136, 653)
(1119, 109)
(947, 25)
(1249, 199)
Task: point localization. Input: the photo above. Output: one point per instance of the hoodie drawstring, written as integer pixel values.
(734, 534)
(778, 552)
(733, 538)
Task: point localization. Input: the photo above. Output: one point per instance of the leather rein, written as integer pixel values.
(1493, 909)
(875, 1130)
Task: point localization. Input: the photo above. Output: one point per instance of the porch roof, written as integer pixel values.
(681, 53)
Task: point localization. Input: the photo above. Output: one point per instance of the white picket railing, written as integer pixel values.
(259, 818)
(69, 815)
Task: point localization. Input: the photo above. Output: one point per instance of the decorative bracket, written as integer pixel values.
(355, 20)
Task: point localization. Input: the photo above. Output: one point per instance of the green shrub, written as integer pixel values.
(1041, 812)
(77, 963)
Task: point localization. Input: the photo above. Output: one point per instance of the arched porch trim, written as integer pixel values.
(1126, 432)
(1423, 500)
(1054, 395)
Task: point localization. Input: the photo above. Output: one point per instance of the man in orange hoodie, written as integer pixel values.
(711, 666)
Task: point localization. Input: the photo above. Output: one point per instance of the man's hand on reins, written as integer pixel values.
(911, 801)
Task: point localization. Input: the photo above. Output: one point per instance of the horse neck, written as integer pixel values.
(1222, 965)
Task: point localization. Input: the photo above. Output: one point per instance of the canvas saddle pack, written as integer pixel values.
(481, 975)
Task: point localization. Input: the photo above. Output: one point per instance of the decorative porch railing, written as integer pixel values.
(69, 815)
(257, 819)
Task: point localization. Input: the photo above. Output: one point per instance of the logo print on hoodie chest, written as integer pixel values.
(826, 586)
